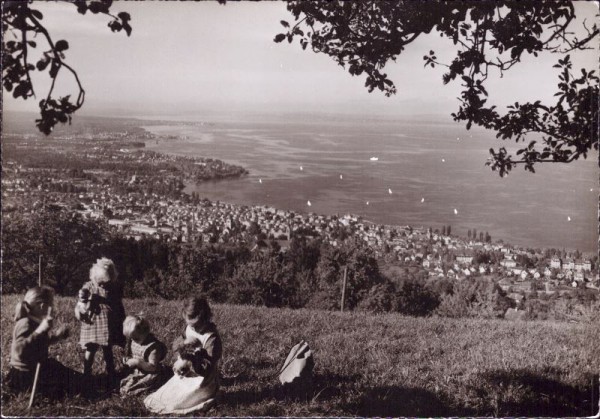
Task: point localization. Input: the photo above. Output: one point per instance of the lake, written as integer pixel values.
(434, 170)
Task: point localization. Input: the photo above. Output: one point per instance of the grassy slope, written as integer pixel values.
(366, 365)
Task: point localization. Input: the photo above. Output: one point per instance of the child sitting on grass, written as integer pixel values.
(144, 356)
(196, 383)
(32, 336)
(101, 313)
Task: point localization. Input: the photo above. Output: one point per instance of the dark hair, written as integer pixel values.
(197, 307)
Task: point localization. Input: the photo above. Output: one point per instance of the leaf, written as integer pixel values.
(81, 6)
(279, 37)
(124, 16)
(42, 64)
(32, 44)
(284, 24)
(127, 28)
(54, 69)
(37, 14)
(115, 26)
(97, 7)
(19, 91)
(61, 45)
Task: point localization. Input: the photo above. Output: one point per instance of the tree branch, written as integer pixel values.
(81, 96)
(562, 27)
(579, 44)
(25, 63)
(573, 157)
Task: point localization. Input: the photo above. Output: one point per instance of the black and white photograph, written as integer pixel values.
(300, 208)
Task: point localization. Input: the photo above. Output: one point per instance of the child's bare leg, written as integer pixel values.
(109, 361)
(88, 360)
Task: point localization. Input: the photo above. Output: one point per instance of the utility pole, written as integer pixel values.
(40, 271)
(344, 288)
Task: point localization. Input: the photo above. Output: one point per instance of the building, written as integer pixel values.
(464, 259)
(569, 264)
(583, 265)
(508, 263)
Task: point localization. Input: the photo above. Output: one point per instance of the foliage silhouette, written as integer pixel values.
(363, 37)
(24, 22)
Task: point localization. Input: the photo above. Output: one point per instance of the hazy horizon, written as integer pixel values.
(196, 57)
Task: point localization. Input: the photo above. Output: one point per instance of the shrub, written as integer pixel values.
(380, 298)
(475, 298)
(415, 298)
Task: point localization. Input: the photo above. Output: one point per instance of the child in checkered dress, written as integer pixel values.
(101, 313)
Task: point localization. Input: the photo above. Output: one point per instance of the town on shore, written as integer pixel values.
(105, 172)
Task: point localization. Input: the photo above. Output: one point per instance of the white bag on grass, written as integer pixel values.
(298, 364)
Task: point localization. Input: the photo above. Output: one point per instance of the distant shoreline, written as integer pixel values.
(251, 196)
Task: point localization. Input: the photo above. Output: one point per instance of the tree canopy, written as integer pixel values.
(23, 23)
(364, 36)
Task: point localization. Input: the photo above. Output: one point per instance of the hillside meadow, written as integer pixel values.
(365, 364)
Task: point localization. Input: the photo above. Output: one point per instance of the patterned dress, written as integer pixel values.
(139, 381)
(107, 315)
(182, 395)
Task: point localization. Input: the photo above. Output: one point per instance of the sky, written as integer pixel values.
(185, 57)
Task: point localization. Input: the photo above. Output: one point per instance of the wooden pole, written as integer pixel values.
(39, 365)
(344, 287)
(35, 380)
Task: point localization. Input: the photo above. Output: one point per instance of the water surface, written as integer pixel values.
(432, 168)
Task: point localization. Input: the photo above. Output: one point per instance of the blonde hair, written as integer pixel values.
(133, 323)
(103, 271)
(33, 296)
